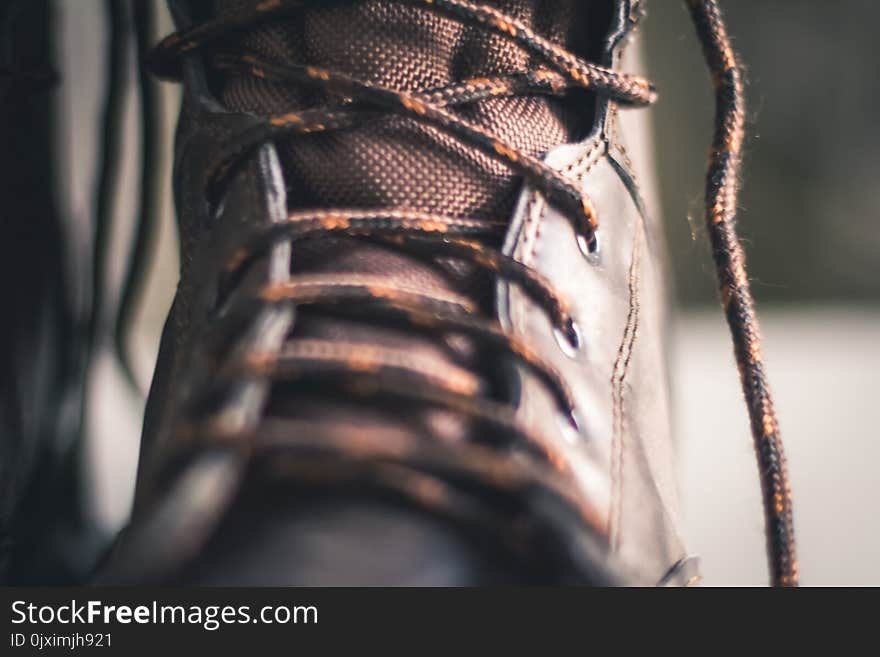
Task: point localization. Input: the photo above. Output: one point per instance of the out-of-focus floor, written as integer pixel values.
(824, 365)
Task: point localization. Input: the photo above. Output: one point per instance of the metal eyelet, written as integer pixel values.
(569, 341)
(589, 246)
(570, 425)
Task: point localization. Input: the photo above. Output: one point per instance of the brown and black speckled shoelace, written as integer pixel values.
(380, 370)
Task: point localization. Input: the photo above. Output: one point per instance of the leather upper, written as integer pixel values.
(622, 450)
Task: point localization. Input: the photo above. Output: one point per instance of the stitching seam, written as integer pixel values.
(618, 378)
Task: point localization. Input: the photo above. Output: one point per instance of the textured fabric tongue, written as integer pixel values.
(393, 161)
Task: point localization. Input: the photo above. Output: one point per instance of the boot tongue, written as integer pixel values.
(393, 161)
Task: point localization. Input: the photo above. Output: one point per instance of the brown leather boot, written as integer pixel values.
(419, 333)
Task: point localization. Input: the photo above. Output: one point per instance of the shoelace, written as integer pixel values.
(375, 372)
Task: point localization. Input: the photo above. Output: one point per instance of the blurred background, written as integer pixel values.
(810, 220)
(810, 217)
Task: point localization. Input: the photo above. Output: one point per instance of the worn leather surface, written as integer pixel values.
(622, 452)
